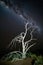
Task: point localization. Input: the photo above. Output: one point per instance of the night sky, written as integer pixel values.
(11, 24)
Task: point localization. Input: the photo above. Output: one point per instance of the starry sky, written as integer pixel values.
(11, 24)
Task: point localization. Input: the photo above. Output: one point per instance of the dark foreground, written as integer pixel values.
(28, 61)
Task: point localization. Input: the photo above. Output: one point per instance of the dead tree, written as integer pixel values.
(21, 37)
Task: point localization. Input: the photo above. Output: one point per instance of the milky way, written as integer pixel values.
(22, 14)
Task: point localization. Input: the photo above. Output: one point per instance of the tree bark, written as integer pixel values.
(23, 51)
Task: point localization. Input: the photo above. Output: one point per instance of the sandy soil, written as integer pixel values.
(27, 61)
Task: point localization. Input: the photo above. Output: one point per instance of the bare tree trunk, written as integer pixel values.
(23, 50)
(23, 43)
